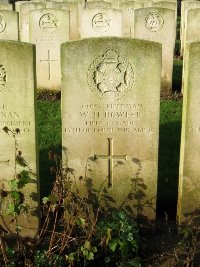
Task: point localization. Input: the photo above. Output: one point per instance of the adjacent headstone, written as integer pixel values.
(165, 4)
(4, 1)
(5, 6)
(169, 5)
(100, 22)
(73, 8)
(185, 6)
(18, 3)
(138, 4)
(49, 28)
(191, 32)
(57, 5)
(24, 9)
(128, 8)
(98, 4)
(115, 3)
(189, 171)
(9, 27)
(17, 91)
(158, 24)
(142, 4)
(110, 133)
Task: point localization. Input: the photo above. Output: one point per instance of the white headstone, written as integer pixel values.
(189, 170)
(110, 134)
(17, 110)
(49, 28)
(98, 4)
(185, 6)
(18, 3)
(128, 8)
(9, 27)
(73, 9)
(158, 24)
(5, 6)
(24, 10)
(100, 22)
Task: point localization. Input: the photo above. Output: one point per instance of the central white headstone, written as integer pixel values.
(110, 117)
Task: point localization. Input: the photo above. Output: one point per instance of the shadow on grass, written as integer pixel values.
(46, 173)
(168, 169)
(177, 74)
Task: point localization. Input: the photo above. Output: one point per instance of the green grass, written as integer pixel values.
(49, 123)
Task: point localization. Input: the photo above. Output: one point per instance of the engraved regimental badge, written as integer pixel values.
(154, 22)
(2, 77)
(110, 76)
(2, 24)
(48, 23)
(130, 11)
(101, 22)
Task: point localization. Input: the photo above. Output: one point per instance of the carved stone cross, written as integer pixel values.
(129, 34)
(5, 161)
(49, 61)
(110, 157)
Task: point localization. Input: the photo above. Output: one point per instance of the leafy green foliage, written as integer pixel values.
(41, 259)
(119, 239)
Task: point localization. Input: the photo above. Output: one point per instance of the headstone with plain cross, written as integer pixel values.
(17, 91)
(9, 27)
(189, 167)
(110, 131)
(99, 22)
(49, 28)
(158, 24)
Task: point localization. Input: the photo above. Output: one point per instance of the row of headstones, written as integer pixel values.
(110, 122)
(49, 28)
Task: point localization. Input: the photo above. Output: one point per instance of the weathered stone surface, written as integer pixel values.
(185, 6)
(17, 110)
(18, 3)
(24, 10)
(192, 31)
(100, 22)
(73, 9)
(5, 6)
(128, 8)
(165, 4)
(158, 24)
(110, 116)
(98, 4)
(137, 4)
(9, 27)
(49, 28)
(189, 172)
